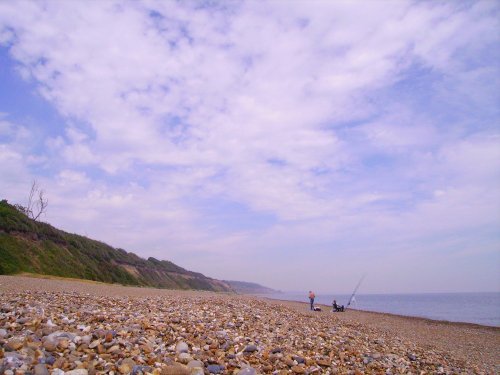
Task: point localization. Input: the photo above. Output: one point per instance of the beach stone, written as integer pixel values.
(194, 364)
(14, 344)
(50, 324)
(250, 349)
(182, 347)
(59, 362)
(214, 369)
(12, 360)
(135, 334)
(108, 337)
(298, 359)
(367, 360)
(130, 362)
(147, 348)
(3, 333)
(49, 345)
(222, 334)
(94, 344)
(247, 371)
(50, 360)
(40, 369)
(176, 369)
(61, 334)
(184, 358)
(125, 368)
(86, 339)
(79, 371)
(412, 357)
(115, 349)
(63, 343)
(138, 369)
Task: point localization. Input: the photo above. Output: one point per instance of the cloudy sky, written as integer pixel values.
(294, 144)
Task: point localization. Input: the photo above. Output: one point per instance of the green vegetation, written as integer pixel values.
(34, 247)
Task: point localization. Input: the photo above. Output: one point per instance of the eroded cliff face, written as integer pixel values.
(30, 246)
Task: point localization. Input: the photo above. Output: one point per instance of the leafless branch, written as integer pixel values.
(37, 203)
(41, 205)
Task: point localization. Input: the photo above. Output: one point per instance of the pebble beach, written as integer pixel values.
(57, 327)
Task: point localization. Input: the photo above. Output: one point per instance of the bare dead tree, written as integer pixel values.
(37, 202)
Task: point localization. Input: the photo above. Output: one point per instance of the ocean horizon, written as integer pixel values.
(479, 308)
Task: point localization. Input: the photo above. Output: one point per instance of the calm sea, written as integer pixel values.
(479, 308)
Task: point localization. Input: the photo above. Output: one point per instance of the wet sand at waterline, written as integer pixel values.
(77, 327)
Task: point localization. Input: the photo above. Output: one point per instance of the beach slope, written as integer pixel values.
(83, 328)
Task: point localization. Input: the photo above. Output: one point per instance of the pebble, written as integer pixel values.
(49, 345)
(250, 349)
(140, 369)
(193, 364)
(40, 369)
(175, 370)
(214, 369)
(184, 358)
(124, 368)
(79, 371)
(247, 371)
(14, 344)
(298, 370)
(83, 334)
(182, 347)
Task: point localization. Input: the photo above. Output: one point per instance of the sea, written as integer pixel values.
(478, 308)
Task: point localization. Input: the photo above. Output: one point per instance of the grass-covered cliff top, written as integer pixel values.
(35, 247)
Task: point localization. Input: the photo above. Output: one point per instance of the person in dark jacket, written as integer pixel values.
(337, 307)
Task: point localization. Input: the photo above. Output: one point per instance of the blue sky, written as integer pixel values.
(294, 144)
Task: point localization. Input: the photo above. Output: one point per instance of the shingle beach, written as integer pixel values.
(78, 328)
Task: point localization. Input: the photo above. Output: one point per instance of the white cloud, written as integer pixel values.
(291, 110)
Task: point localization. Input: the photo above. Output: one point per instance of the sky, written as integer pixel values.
(297, 144)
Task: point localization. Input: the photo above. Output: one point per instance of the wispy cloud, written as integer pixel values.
(333, 128)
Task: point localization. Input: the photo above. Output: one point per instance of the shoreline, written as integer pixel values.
(441, 321)
(218, 326)
(463, 341)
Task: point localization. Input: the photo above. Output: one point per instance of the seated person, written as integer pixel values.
(337, 307)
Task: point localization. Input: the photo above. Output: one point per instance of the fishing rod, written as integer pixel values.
(355, 290)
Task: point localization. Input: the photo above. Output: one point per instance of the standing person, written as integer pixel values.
(311, 298)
